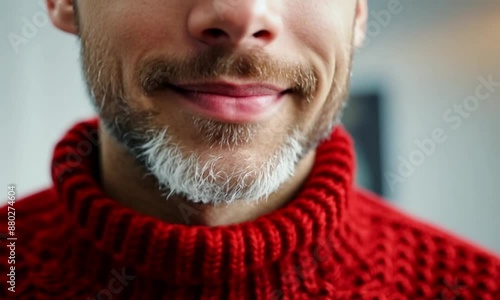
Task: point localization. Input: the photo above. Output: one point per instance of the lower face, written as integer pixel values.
(199, 145)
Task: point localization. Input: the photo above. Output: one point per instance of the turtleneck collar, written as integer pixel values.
(184, 255)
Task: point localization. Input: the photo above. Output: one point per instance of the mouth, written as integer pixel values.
(228, 102)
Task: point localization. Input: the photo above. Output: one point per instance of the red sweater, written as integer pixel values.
(331, 242)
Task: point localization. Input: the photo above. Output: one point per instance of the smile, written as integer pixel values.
(230, 103)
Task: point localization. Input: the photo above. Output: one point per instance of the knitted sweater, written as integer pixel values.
(333, 241)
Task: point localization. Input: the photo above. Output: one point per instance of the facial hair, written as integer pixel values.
(200, 176)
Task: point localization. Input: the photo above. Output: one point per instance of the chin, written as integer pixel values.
(218, 175)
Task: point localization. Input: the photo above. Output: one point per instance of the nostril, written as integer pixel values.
(214, 33)
(262, 34)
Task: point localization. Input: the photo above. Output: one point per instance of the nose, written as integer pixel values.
(235, 22)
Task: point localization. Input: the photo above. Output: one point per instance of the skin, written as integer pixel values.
(123, 35)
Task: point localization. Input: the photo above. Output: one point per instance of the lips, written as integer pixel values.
(228, 102)
(231, 90)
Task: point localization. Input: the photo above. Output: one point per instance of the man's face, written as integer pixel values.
(218, 99)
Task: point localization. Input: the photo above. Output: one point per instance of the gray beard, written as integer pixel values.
(210, 179)
(206, 177)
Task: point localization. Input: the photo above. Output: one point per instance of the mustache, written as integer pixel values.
(253, 65)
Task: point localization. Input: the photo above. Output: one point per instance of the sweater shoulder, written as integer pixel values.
(35, 202)
(382, 211)
(427, 259)
(24, 223)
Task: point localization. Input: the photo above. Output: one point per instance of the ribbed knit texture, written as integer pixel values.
(331, 242)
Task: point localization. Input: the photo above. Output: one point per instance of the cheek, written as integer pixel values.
(143, 29)
(135, 30)
(322, 26)
(323, 31)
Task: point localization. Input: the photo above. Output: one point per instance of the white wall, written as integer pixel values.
(427, 58)
(41, 94)
(426, 66)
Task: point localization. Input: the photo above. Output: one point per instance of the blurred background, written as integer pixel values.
(424, 107)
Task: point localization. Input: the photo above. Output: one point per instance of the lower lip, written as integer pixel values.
(231, 109)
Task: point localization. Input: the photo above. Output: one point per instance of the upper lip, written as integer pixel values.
(231, 89)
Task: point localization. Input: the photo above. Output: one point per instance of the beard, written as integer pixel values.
(221, 170)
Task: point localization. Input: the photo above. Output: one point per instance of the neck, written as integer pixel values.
(124, 180)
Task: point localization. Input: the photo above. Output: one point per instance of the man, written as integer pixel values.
(216, 169)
